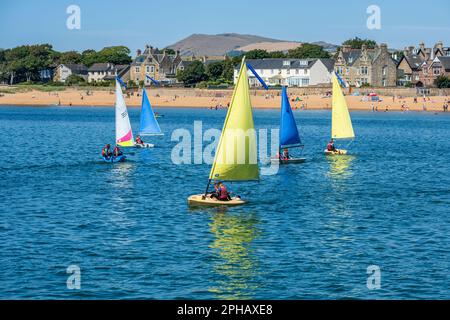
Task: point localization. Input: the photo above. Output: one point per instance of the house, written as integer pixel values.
(63, 71)
(375, 67)
(289, 72)
(155, 63)
(106, 72)
(416, 65)
(101, 71)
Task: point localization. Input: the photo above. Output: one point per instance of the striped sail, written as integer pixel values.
(124, 134)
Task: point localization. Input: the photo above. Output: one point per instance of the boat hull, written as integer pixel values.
(121, 158)
(338, 152)
(199, 200)
(288, 161)
(144, 146)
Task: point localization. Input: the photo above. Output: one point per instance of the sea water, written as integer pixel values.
(313, 231)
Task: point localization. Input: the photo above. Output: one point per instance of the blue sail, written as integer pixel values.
(149, 125)
(289, 136)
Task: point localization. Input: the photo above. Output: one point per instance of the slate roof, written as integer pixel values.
(414, 61)
(445, 61)
(76, 68)
(278, 63)
(102, 67)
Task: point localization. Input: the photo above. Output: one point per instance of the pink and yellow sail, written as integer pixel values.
(124, 134)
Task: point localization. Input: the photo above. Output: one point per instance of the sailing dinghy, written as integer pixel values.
(149, 125)
(234, 161)
(289, 137)
(124, 134)
(341, 123)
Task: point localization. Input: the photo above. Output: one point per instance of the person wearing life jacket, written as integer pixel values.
(106, 152)
(330, 146)
(117, 152)
(221, 193)
(285, 155)
(139, 140)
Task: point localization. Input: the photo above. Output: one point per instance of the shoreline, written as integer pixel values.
(209, 99)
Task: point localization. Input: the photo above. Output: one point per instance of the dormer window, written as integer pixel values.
(286, 63)
(303, 62)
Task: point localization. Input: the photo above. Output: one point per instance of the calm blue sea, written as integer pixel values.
(309, 232)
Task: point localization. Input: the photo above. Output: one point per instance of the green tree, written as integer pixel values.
(308, 51)
(69, 57)
(257, 54)
(442, 82)
(89, 57)
(228, 68)
(194, 73)
(215, 70)
(115, 54)
(278, 54)
(356, 43)
(170, 51)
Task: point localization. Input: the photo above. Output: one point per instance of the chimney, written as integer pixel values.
(383, 47)
(346, 48)
(138, 52)
(406, 51)
(422, 46)
(439, 45)
(364, 47)
(411, 49)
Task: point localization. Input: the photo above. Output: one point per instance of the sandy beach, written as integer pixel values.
(202, 98)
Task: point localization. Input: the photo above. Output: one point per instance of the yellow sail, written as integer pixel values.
(341, 124)
(236, 154)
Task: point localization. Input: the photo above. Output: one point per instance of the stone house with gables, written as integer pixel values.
(374, 67)
(155, 63)
(414, 66)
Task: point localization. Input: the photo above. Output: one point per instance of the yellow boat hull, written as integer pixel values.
(338, 152)
(200, 200)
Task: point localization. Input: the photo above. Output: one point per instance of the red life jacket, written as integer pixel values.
(223, 193)
(138, 141)
(116, 151)
(105, 152)
(330, 147)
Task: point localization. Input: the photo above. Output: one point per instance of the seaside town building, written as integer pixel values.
(421, 66)
(155, 63)
(63, 71)
(289, 72)
(106, 71)
(358, 67)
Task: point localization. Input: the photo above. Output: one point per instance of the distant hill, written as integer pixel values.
(270, 46)
(216, 45)
(221, 44)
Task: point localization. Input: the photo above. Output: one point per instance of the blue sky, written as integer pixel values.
(160, 23)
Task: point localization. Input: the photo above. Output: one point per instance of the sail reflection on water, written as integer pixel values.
(237, 265)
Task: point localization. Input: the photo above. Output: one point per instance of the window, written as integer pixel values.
(152, 69)
(303, 62)
(138, 69)
(384, 82)
(364, 70)
(339, 70)
(436, 71)
(384, 70)
(296, 71)
(347, 70)
(305, 82)
(288, 71)
(148, 68)
(286, 63)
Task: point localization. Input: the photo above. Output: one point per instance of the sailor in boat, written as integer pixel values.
(221, 193)
(330, 146)
(139, 141)
(117, 152)
(106, 151)
(285, 155)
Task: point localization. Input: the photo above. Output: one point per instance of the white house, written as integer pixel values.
(63, 71)
(101, 71)
(289, 72)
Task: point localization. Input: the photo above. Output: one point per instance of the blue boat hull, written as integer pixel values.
(115, 159)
